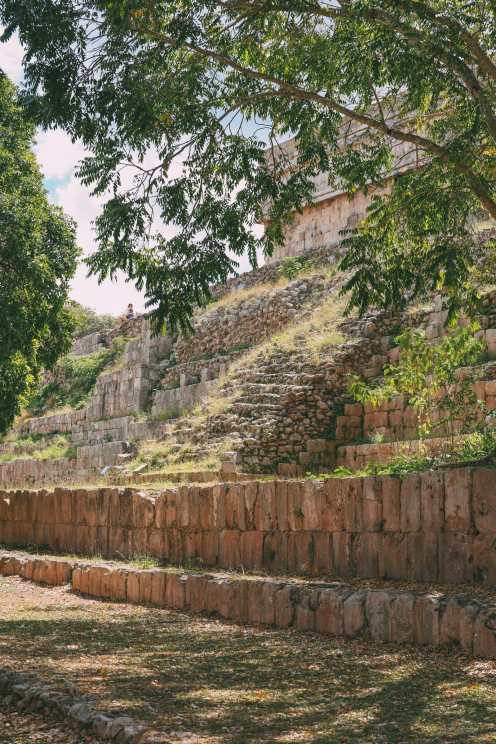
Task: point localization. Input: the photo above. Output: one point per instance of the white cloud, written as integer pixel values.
(11, 54)
(56, 154)
(108, 297)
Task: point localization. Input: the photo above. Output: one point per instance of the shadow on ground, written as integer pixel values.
(232, 685)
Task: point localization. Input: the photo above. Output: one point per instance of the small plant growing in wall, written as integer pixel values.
(429, 375)
(291, 267)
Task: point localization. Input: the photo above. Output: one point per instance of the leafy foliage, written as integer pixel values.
(86, 321)
(38, 257)
(179, 99)
(429, 376)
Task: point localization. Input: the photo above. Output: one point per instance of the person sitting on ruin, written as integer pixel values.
(129, 314)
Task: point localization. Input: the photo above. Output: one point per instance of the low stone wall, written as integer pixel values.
(436, 526)
(385, 616)
(30, 472)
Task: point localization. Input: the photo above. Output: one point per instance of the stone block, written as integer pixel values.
(455, 557)
(251, 549)
(484, 499)
(322, 554)
(485, 634)
(457, 485)
(157, 543)
(284, 609)
(329, 615)
(366, 550)
(175, 547)
(372, 515)
(118, 589)
(227, 598)
(171, 497)
(196, 588)
(401, 618)
(342, 554)
(143, 511)
(468, 612)
(254, 601)
(210, 547)
(333, 507)
(145, 587)
(230, 549)
(313, 504)
(351, 494)
(427, 620)
(377, 606)
(295, 505)
(252, 504)
(300, 552)
(393, 559)
(275, 552)
(125, 508)
(218, 506)
(239, 606)
(84, 580)
(484, 558)
(161, 512)
(354, 620)
(422, 556)
(432, 496)
(75, 581)
(176, 591)
(133, 587)
(192, 541)
(410, 503)
(305, 610)
(95, 581)
(268, 506)
(120, 542)
(267, 602)
(391, 504)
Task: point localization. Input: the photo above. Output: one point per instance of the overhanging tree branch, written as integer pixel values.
(476, 184)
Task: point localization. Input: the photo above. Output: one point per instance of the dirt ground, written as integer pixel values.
(210, 682)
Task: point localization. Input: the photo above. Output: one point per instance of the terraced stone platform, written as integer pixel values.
(435, 527)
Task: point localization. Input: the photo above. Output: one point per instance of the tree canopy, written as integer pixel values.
(178, 100)
(38, 256)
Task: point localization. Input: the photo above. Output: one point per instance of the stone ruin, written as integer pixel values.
(250, 393)
(276, 408)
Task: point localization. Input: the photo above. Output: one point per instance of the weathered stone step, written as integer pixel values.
(383, 613)
(254, 410)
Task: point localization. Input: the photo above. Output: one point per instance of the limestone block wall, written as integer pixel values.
(177, 401)
(196, 371)
(395, 421)
(100, 455)
(120, 392)
(433, 526)
(32, 472)
(89, 344)
(321, 224)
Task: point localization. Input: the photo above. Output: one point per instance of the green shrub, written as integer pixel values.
(86, 320)
(290, 267)
(428, 376)
(75, 379)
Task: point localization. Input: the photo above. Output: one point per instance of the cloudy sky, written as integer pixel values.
(57, 157)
